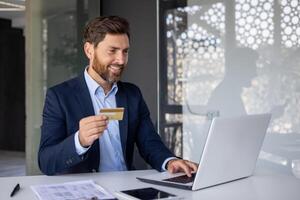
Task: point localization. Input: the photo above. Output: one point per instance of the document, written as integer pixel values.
(77, 190)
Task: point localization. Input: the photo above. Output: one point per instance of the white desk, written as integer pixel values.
(264, 187)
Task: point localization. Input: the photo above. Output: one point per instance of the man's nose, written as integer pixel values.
(121, 58)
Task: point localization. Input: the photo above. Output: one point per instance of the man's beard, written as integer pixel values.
(103, 71)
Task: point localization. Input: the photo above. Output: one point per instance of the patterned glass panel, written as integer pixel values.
(254, 22)
(290, 16)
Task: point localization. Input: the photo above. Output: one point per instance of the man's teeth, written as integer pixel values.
(115, 69)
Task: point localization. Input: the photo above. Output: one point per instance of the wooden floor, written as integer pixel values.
(12, 163)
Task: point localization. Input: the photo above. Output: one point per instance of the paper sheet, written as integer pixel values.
(77, 190)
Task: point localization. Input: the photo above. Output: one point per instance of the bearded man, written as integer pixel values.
(77, 138)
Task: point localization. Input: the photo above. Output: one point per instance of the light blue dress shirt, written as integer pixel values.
(111, 154)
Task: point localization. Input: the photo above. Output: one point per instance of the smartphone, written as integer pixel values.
(145, 194)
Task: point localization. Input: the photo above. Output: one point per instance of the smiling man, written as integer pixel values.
(77, 138)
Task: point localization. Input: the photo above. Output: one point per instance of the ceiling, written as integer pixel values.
(14, 10)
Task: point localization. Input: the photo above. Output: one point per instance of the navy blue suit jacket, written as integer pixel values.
(69, 102)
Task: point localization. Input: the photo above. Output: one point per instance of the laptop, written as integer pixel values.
(230, 153)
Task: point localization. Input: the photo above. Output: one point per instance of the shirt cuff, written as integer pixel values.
(79, 149)
(163, 167)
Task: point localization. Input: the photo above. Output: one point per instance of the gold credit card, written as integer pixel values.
(113, 113)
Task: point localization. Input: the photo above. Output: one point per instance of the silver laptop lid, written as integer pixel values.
(231, 149)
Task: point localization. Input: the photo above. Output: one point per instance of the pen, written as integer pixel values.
(15, 190)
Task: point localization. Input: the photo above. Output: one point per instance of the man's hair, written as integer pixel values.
(96, 29)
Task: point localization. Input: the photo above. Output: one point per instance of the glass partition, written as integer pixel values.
(230, 58)
(54, 53)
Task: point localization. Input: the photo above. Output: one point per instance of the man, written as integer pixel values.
(76, 138)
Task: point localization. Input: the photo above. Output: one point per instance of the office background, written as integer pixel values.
(193, 60)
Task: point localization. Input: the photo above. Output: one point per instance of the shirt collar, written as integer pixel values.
(94, 87)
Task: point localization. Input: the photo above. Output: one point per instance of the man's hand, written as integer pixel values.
(179, 165)
(91, 128)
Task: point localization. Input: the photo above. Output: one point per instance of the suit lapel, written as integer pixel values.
(86, 106)
(121, 101)
(83, 97)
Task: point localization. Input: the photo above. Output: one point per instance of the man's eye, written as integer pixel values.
(112, 51)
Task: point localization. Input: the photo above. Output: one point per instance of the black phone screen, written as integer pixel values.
(148, 193)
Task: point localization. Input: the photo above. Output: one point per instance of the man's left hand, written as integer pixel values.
(180, 165)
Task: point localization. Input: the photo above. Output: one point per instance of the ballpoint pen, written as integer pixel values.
(15, 190)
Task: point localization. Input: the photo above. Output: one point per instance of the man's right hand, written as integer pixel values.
(91, 128)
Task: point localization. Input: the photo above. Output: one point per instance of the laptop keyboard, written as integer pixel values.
(181, 179)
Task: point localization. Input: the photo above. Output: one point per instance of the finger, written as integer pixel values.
(94, 118)
(91, 129)
(192, 165)
(171, 169)
(95, 131)
(187, 171)
(184, 167)
(94, 125)
(101, 117)
(88, 132)
(87, 119)
(86, 141)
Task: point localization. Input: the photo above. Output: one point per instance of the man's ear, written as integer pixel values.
(89, 50)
